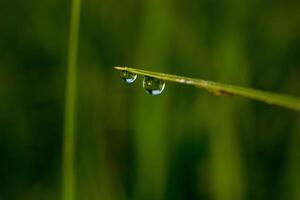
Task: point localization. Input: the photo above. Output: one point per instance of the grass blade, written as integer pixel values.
(224, 89)
(70, 106)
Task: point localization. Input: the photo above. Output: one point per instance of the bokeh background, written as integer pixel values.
(183, 144)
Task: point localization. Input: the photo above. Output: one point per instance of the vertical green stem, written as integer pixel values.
(293, 172)
(150, 138)
(70, 106)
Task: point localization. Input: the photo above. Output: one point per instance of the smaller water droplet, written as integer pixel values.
(153, 86)
(127, 76)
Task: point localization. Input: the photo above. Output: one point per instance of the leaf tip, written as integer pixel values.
(119, 68)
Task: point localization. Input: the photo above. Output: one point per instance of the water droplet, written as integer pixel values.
(127, 76)
(153, 86)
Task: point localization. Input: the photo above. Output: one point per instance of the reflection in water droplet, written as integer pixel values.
(127, 76)
(153, 86)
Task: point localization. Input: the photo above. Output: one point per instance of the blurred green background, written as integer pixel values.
(183, 144)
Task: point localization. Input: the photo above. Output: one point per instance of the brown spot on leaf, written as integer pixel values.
(222, 93)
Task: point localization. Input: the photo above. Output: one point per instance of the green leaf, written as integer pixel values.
(224, 89)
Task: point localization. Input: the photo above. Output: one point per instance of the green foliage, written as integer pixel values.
(61, 100)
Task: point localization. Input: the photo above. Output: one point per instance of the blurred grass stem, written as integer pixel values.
(70, 105)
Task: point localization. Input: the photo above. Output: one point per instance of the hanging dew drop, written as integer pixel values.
(153, 86)
(127, 76)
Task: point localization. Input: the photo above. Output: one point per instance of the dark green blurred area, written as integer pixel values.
(183, 144)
